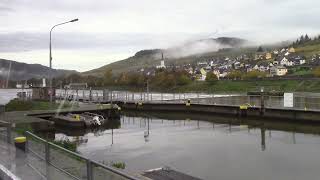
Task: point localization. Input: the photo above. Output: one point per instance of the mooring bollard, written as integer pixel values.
(188, 103)
(20, 143)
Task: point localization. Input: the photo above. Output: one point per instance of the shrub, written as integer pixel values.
(211, 77)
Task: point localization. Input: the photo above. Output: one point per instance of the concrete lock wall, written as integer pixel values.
(270, 113)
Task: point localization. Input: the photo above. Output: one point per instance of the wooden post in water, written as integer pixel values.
(112, 134)
(263, 138)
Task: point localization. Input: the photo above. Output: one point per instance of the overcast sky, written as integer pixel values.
(111, 30)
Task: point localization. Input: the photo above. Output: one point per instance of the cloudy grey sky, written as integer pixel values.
(112, 30)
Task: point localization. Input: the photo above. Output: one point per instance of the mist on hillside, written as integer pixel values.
(202, 46)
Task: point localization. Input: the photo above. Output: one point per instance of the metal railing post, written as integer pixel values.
(9, 134)
(198, 98)
(161, 97)
(89, 170)
(47, 152)
(90, 94)
(111, 96)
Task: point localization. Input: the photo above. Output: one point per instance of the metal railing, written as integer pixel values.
(301, 101)
(70, 163)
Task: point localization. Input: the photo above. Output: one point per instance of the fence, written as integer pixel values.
(302, 101)
(70, 163)
(5, 132)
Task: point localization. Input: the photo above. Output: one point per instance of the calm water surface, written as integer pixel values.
(211, 149)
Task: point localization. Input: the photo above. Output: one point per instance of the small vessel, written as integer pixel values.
(84, 120)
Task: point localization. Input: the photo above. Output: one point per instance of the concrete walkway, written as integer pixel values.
(26, 166)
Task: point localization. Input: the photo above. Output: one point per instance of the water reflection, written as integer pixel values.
(205, 146)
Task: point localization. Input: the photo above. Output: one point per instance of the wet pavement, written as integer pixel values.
(26, 166)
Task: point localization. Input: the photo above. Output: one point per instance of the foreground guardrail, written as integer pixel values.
(72, 164)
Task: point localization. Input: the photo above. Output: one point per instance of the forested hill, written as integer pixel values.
(23, 71)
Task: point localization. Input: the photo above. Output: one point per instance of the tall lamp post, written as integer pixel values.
(50, 57)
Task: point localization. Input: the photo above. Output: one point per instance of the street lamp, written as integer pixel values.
(50, 57)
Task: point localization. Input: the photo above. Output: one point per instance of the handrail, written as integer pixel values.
(113, 170)
(4, 123)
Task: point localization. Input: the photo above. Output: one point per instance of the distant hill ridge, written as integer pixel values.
(24, 71)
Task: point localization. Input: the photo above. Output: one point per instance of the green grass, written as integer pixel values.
(67, 144)
(119, 165)
(302, 73)
(20, 105)
(309, 50)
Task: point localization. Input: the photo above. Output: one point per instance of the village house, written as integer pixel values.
(268, 56)
(237, 65)
(286, 62)
(278, 71)
(223, 73)
(291, 50)
(217, 73)
(287, 53)
(201, 75)
(298, 60)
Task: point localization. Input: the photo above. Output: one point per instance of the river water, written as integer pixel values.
(208, 147)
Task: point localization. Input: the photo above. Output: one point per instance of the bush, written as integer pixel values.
(316, 72)
(67, 144)
(254, 75)
(234, 75)
(211, 77)
(18, 105)
(183, 80)
(119, 165)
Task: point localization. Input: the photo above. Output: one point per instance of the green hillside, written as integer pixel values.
(151, 58)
